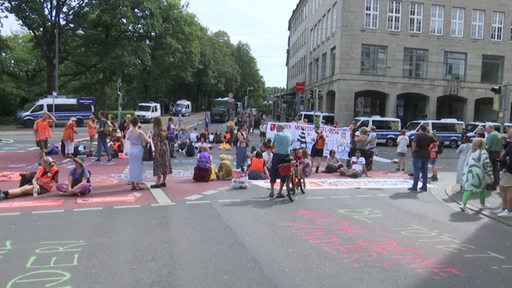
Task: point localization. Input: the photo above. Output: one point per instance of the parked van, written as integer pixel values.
(181, 106)
(65, 108)
(311, 117)
(388, 128)
(448, 130)
(148, 111)
(472, 126)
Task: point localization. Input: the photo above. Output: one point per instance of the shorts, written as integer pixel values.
(317, 152)
(42, 190)
(42, 144)
(401, 154)
(432, 161)
(505, 179)
(263, 134)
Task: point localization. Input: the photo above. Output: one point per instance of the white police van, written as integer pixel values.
(388, 128)
(448, 130)
(65, 108)
(314, 117)
(471, 127)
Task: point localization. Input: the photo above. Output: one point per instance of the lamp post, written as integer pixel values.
(56, 91)
(247, 97)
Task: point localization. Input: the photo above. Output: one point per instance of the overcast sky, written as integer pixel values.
(262, 24)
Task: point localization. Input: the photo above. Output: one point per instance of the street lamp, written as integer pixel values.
(56, 91)
(247, 96)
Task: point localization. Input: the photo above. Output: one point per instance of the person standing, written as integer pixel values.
(137, 138)
(401, 150)
(180, 121)
(206, 121)
(43, 132)
(303, 143)
(102, 138)
(241, 147)
(91, 131)
(371, 147)
(494, 147)
(420, 157)
(477, 166)
(162, 161)
(462, 152)
(282, 143)
(506, 182)
(263, 131)
(68, 137)
(433, 156)
(171, 136)
(317, 151)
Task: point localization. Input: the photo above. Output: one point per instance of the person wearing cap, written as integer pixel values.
(79, 180)
(43, 132)
(225, 170)
(43, 181)
(68, 137)
(401, 150)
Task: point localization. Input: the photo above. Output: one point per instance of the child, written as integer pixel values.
(305, 164)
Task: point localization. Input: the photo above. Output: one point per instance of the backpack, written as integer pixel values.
(190, 150)
(440, 147)
(108, 129)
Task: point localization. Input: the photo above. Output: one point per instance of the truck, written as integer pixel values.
(222, 110)
(147, 111)
(181, 106)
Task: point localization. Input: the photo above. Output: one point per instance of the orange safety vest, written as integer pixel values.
(47, 178)
(43, 130)
(320, 141)
(258, 164)
(90, 128)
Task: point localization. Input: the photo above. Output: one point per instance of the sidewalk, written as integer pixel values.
(449, 193)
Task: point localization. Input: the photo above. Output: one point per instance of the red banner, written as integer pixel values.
(300, 86)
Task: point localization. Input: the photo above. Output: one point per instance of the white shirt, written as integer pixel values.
(358, 163)
(402, 142)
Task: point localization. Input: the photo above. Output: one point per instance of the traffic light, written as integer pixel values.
(496, 89)
(319, 93)
(311, 94)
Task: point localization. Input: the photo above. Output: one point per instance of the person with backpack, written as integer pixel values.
(104, 131)
(79, 180)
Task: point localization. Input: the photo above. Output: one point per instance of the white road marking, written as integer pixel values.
(210, 192)
(129, 206)
(194, 197)
(88, 209)
(197, 202)
(47, 212)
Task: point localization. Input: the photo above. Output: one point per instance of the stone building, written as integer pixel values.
(409, 59)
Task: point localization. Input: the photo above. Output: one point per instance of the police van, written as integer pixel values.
(313, 117)
(65, 108)
(388, 128)
(448, 130)
(471, 127)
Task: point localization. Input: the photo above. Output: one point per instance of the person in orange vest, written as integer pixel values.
(42, 183)
(43, 132)
(258, 170)
(317, 151)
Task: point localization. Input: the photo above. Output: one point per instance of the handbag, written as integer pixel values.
(148, 153)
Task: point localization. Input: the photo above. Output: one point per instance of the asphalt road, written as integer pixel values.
(367, 237)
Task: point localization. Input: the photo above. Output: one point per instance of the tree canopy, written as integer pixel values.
(158, 49)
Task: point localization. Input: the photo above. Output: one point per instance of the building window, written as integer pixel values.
(332, 61)
(415, 63)
(394, 15)
(373, 60)
(329, 24)
(437, 20)
(415, 17)
(324, 66)
(492, 68)
(454, 66)
(457, 22)
(324, 28)
(334, 17)
(371, 14)
(497, 26)
(477, 24)
(317, 69)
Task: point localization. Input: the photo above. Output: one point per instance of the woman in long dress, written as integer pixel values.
(137, 138)
(162, 162)
(477, 166)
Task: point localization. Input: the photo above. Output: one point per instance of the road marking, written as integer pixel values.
(10, 214)
(194, 197)
(197, 202)
(160, 195)
(165, 204)
(129, 206)
(229, 200)
(31, 203)
(88, 209)
(315, 197)
(119, 198)
(210, 192)
(364, 196)
(47, 212)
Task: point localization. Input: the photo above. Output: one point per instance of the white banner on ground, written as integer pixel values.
(336, 138)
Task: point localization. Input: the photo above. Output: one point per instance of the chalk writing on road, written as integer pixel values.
(49, 264)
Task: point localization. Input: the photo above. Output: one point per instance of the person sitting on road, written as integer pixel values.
(305, 164)
(258, 169)
(194, 135)
(333, 163)
(182, 139)
(217, 137)
(190, 149)
(79, 180)
(203, 169)
(225, 170)
(42, 183)
(358, 166)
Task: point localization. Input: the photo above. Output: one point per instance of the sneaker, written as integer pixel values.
(271, 195)
(462, 207)
(423, 189)
(2, 195)
(498, 211)
(433, 178)
(98, 160)
(412, 189)
(505, 213)
(483, 206)
(280, 195)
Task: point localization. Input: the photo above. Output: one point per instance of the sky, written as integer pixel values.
(261, 24)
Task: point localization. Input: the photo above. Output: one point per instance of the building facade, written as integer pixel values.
(398, 58)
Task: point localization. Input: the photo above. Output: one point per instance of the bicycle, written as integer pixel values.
(294, 180)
